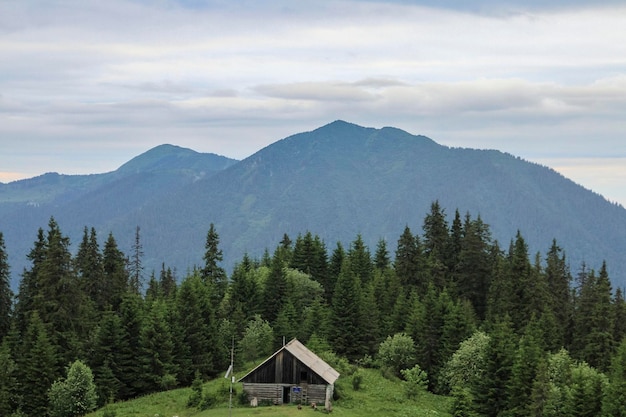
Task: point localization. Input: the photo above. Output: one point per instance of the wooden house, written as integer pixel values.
(293, 374)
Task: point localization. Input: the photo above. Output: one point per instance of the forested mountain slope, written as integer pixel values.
(336, 181)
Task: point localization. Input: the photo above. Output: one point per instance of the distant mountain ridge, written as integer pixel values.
(337, 181)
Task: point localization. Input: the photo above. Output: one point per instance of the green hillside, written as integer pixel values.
(377, 397)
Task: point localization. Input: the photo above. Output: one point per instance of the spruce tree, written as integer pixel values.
(158, 370)
(212, 273)
(490, 394)
(275, 291)
(115, 273)
(334, 268)
(345, 316)
(530, 354)
(6, 295)
(558, 278)
(135, 265)
(408, 260)
(38, 368)
(132, 316)
(8, 381)
(90, 269)
(361, 260)
(28, 299)
(198, 327)
(474, 265)
(614, 402)
(64, 306)
(436, 244)
(106, 358)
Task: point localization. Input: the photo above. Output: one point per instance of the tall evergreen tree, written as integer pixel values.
(27, 296)
(158, 369)
(436, 244)
(530, 354)
(64, 305)
(408, 261)
(212, 273)
(38, 368)
(614, 402)
(275, 291)
(334, 268)
(115, 274)
(198, 326)
(345, 316)
(593, 320)
(106, 357)
(132, 316)
(6, 295)
(361, 260)
(8, 381)
(490, 394)
(474, 265)
(90, 269)
(381, 257)
(135, 265)
(558, 278)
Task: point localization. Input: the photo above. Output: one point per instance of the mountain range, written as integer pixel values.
(337, 181)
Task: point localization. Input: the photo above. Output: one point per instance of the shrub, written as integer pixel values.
(397, 352)
(416, 381)
(357, 379)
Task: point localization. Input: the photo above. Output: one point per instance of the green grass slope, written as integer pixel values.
(377, 397)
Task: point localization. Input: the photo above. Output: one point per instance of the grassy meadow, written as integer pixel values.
(376, 397)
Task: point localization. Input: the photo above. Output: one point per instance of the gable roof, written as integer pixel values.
(308, 358)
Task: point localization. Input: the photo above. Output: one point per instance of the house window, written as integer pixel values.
(304, 376)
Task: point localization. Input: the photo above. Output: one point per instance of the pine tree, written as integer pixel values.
(361, 260)
(530, 354)
(135, 265)
(275, 291)
(490, 397)
(90, 269)
(106, 358)
(474, 265)
(334, 268)
(436, 244)
(158, 369)
(381, 257)
(64, 306)
(345, 316)
(198, 327)
(132, 316)
(115, 274)
(558, 278)
(6, 295)
(38, 368)
(594, 321)
(408, 261)
(614, 402)
(27, 296)
(212, 274)
(619, 315)
(8, 381)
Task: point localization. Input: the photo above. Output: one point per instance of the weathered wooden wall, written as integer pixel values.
(284, 368)
(274, 393)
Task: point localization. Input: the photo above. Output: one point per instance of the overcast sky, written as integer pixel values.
(87, 85)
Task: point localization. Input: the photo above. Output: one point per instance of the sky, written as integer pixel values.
(86, 85)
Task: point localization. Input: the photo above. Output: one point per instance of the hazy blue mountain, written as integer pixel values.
(100, 200)
(336, 181)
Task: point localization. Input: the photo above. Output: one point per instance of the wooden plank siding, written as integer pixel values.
(274, 393)
(284, 368)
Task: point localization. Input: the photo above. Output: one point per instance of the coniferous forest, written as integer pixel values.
(503, 331)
